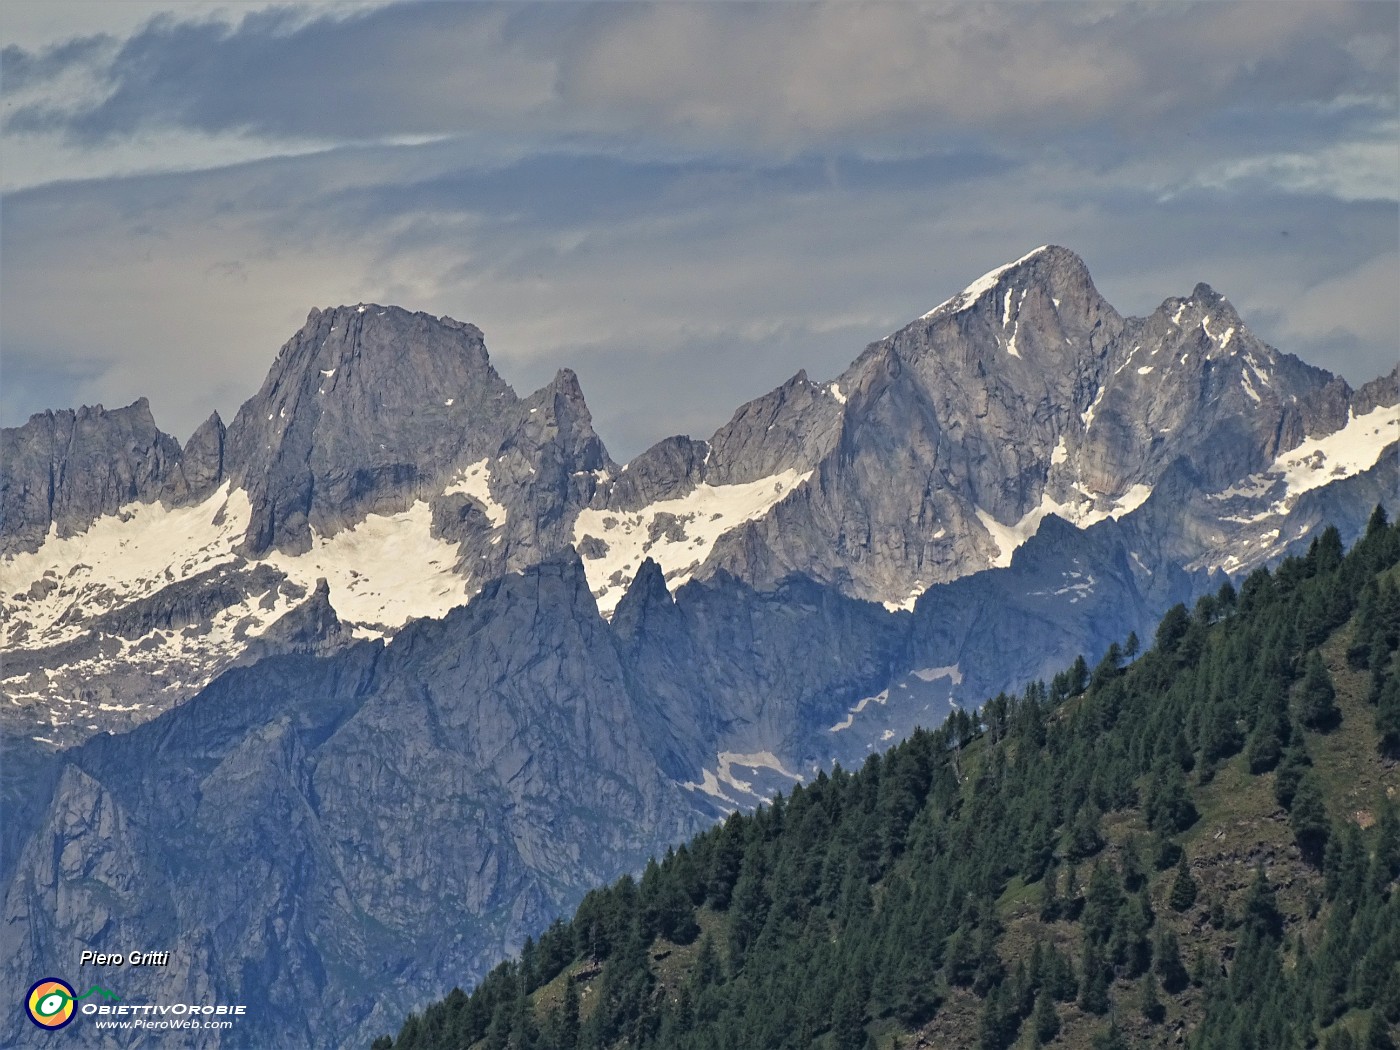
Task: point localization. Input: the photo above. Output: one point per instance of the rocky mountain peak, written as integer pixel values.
(646, 596)
(1047, 291)
(561, 411)
(399, 356)
(67, 468)
(201, 467)
(363, 408)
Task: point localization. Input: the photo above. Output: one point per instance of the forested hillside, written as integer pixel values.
(1195, 845)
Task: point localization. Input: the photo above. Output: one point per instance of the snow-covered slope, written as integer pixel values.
(678, 534)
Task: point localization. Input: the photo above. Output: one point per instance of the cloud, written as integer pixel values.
(769, 77)
(1351, 314)
(685, 202)
(1354, 168)
(675, 288)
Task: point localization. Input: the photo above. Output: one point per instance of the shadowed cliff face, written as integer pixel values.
(326, 839)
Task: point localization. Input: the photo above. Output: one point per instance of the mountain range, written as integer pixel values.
(396, 640)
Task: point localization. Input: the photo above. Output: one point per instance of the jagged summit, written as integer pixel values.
(1039, 263)
(362, 408)
(64, 468)
(385, 454)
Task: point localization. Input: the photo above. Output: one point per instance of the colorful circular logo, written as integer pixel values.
(50, 1003)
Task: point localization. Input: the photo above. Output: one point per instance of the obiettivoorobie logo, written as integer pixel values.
(51, 1001)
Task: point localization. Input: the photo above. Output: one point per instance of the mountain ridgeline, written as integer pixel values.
(1200, 844)
(357, 692)
(385, 454)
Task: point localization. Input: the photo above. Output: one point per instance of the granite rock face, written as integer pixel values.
(63, 470)
(1026, 394)
(363, 409)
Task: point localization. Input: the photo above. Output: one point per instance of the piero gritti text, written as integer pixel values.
(89, 958)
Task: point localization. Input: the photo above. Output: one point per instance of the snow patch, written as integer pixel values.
(709, 784)
(1081, 513)
(932, 674)
(980, 287)
(679, 542)
(1353, 449)
(475, 481)
(834, 389)
(882, 697)
(1088, 416)
(137, 551)
(1011, 345)
(907, 605)
(713, 783)
(384, 571)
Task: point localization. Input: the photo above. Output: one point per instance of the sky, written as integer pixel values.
(684, 202)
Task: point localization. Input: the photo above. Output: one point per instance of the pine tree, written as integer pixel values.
(1388, 715)
(1134, 875)
(1165, 852)
(999, 1022)
(566, 1035)
(1265, 746)
(1085, 839)
(1317, 699)
(1184, 887)
(1168, 963)
(1308, 818)
(848, 1020)
(1172, 629)
(1168, 807)
(1093, 993)
(1050, 905)
(1150, 1003)
(1060, 980)
(1294, 764)
(1078, 676)
(1045, 1021)
(1261, 914)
